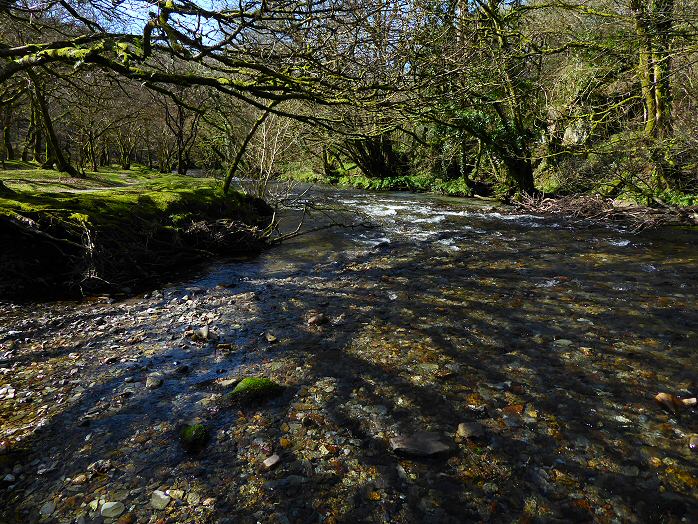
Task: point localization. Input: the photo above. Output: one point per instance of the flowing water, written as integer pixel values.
(548, 339)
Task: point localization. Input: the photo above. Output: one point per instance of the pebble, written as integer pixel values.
(9, 478)
(693, 443)
(562, 342)
(153, 381)
(159, 500)
(80, 479)
(112, 509)
(177, 494)
(422, 444)
(47, 509)
(470, 430)
(272, 461)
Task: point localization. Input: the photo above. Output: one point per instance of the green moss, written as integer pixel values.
(254, 388)
(138, 222)
(195, 437)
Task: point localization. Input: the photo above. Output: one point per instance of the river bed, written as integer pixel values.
(547, 340)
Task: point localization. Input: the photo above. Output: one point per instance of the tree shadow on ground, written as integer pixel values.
(561, 376)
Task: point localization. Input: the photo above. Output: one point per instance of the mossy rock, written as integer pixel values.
(255, 389)
(195, 437)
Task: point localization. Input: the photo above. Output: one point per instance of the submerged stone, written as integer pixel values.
(470, 430)
(153, 381)
(159, 500)
(422, 444)
(194, 437)
(47, 509)
(112, 509)
(272, 461)
(256, 389)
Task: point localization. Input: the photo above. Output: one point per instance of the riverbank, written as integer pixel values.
(116, 229)
(634, 211)
(413, 183)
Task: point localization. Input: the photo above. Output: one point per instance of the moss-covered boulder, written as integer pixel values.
(255, 389)
(194, 437)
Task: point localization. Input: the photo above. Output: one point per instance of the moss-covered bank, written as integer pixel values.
(115, 230)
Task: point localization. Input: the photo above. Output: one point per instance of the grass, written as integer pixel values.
(114, 195)
(138, 223)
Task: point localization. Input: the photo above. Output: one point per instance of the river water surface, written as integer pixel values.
(549, 340)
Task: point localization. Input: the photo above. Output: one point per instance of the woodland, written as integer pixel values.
(483, 97)
(348, 261)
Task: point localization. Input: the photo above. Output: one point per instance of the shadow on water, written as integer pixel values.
(554, 339)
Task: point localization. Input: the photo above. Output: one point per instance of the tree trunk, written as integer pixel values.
(663, 16)
(53, 149)
(653, 27)
(519, 174)
(38, 135)
(7, 143)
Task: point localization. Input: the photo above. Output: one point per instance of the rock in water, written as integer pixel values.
(669, 402)
(422, 444)
(203, 333)
(316, 319)
(112, 509)
(47, 509)
(272, 461)
(252, 389)
(153, 381)
(159, 500)
(194, 437)
(470, 430)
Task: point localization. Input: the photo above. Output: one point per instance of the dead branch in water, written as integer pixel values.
(599, 210)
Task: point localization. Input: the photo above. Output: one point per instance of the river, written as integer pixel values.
(546, 340)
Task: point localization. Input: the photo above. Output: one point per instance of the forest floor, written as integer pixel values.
(115, 228)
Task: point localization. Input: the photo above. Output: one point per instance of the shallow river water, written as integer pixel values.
(548, 340)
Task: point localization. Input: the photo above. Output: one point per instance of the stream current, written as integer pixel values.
(548, 340)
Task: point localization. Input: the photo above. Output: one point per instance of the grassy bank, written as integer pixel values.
(115, 229)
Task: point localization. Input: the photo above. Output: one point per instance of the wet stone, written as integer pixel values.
(112, 509)
(422, 444)
(159, 500)
(693, 443)
(285, 483)
(153, 381)
(194, 437)
(470, 430)
(272, 461)
(47, 509)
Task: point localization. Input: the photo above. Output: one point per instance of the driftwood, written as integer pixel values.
(596, 209)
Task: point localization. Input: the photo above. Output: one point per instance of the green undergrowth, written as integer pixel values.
(115, 228)
(419, 183)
